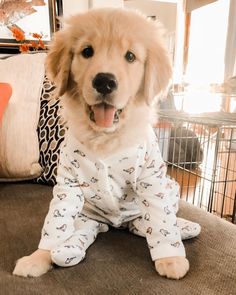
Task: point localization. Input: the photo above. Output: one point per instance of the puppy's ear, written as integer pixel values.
(157, 71)
(58, 61)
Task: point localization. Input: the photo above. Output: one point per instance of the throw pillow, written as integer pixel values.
(19, 148)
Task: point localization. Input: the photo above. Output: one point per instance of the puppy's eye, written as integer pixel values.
(130, 57)
(87, 52)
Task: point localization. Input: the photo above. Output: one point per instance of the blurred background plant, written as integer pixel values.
(27, 45)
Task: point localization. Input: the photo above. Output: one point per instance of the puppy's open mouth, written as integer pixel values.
(104, 115)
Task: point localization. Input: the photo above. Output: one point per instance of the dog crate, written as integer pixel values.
(200, 152)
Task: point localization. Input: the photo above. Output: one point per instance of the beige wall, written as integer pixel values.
(71, 7)
(74, 6)
(165, 12)
(105, 3)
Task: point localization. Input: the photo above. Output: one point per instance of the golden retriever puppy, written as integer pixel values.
(108, 66)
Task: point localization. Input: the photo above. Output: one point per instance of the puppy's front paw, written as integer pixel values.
(34, 265)
(172, 267)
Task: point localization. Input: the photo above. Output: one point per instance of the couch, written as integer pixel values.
(118, 262)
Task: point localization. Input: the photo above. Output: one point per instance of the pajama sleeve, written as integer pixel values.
(66, 204)
(158, 198)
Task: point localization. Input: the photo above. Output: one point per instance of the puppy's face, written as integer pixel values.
(108, 60)
(108, 73)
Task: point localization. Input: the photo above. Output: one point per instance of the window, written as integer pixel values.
(200, 66)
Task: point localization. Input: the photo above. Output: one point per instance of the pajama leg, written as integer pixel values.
(73, 250)
(188, 229)
(137, 227)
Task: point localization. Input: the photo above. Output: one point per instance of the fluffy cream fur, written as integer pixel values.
(111, 33)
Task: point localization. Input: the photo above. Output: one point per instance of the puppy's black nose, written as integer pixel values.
(104, 83)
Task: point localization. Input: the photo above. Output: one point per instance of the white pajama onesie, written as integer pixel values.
(127, 189)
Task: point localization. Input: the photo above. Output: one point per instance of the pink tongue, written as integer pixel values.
(104, 115)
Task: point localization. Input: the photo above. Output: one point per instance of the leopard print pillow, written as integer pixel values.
(51, 132)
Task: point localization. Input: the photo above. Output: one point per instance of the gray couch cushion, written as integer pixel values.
(118, 262)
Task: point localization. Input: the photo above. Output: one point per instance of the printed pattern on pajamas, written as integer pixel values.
(129, 188)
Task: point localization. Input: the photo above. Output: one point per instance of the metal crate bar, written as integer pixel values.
(200, 151)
